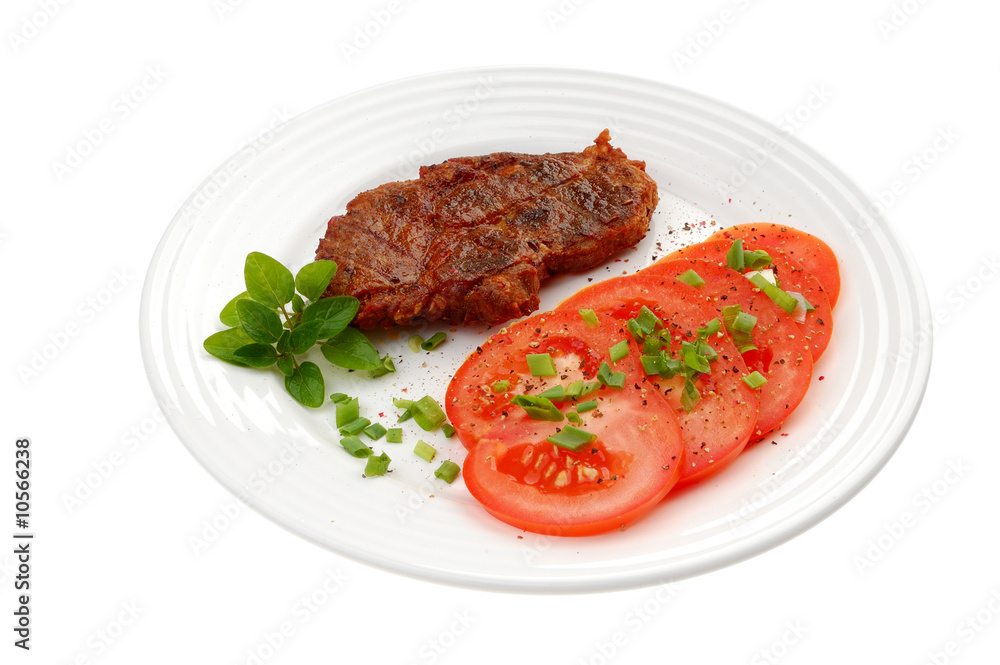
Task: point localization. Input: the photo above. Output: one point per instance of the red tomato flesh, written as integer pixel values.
(720, 424)
(526, 481)
(818, 325)
(782, 355)
(807, 249)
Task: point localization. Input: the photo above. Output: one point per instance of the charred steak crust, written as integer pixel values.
(472, 239)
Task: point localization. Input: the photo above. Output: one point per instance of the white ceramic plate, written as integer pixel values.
(715, 165)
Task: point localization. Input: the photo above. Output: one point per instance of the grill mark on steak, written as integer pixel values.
(472, 238)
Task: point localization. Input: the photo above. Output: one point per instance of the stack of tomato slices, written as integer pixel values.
(580, 420)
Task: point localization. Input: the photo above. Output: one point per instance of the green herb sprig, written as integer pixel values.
(280, 317)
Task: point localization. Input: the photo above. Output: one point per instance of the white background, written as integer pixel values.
(906, 572)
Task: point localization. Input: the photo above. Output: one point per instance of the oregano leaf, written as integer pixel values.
(261, 323)
(350, 349)
(228, 315)
(286, 364)
(303, 336)
(268, 282)
(257, 355)
(335, 313)
(314, 278)
(223, 345)
(305, 384)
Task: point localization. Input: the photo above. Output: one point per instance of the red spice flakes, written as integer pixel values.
(821, 378)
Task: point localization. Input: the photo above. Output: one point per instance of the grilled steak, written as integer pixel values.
(471, 240)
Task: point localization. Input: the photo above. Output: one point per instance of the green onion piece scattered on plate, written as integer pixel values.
(447, 472)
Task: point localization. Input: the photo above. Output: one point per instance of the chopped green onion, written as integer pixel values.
(404, 416)
(447, 430)
(427, 413)
(652, 345)
(703, 348)
(589, 387)
(744, 322)
(671, 367)
(571, 438)
(574, 418)
(375, 431)
(713, 327)
(735, 257)
(589, 317)
(731, 317)
(767, 274)
(556, 392)
(652, 364)
(354, 446)
(780, 298)
(424, 451)
(377, 465)
(500, 386)
(754, 379)
(435, 341)
(339, 398)
(386, 367)
(414, 343)
(583, 407)
(691, 278)
(648, 321)
(609, 378)
(618, 351)
(573, 390)
(348, 412)
(756, 259)
(802, 307)
(690, 395)
(540, 364)
(394, 435)
(809, 305)
(401, 403)
(447, 472)
(356, 426)
(538, 407)
(633, 327)
(693, 359)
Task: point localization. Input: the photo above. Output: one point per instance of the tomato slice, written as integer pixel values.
(782, 356)
(720, 424)
(807, 249)
(818, 325)
(526, 481)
